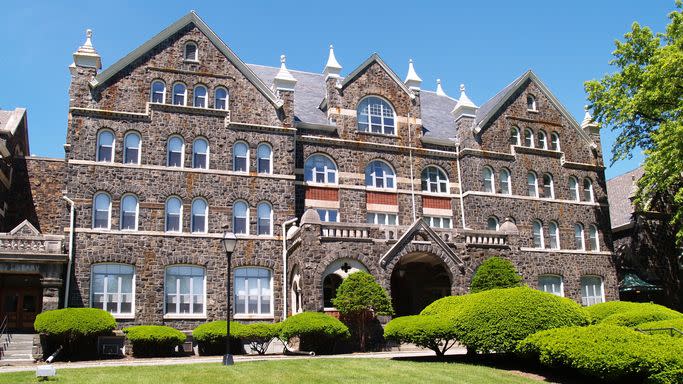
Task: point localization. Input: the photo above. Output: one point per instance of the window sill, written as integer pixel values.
(124, 317)
(375, 189)
(252, 317)
(321, 185)
(201, 316)
(377, 134)
(191, 61)
(532, 110)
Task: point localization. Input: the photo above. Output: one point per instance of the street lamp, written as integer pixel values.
(229, 241)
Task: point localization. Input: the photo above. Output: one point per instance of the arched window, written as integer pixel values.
(179, 94)
(492, 223)
(375, 115)
(158, 92)
(101, 216)
(174, 214)
(514, 136)
(542, 140)
(200, 154)
(554, 232)
(320, 169)
(200, 96)
(112, 288)
(592, 290)
(578, 237)
(253, 291)
(538, 234)
(530, 103)
(175, 151)
(379, 174)
(129, 213)
(587, 190)
(573, 188)
(131, 148)
(264, 158)
(505, 182)
(330, 284)
(191, 53)
(548, 186)
(240, 157)
(434, 180)
(264, 223)
(532, 184)
(489, 182)
(184, 293)
(528, 138)
(221, 98)
(593, 240)
(240, 218)
(200, 215)
(551, 284)
(105, 146)
(554, 141)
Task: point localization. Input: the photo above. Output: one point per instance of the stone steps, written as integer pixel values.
(18, 349)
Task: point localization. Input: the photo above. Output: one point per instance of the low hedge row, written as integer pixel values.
(75, 329)
(211, 337)
(428, 331)
(317, 332)
(154, 340)
(630, 314)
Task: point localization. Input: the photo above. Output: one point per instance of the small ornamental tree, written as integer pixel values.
(495, 273)
(428, 331)
(360, 298)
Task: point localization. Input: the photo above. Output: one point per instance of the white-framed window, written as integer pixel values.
(555, 141)
(175, 151)
(264, 219)
(184, 291)
(551, 284)
(514, 136)
(179, 94)
(328, 215)
(548, 186)
(221, 98)
(505, 182)
(592, 290)
(200, 216)
(542, 140)
(129, 212)
(112, 288)
(174, 214)
(531, 103)
(587, 190)
(191, 52)
(264, 158)
(554, 232)
(132, 144)
(379, 174)
(439, 222)
(105, 146)
(200, 153)
(253, 291)
(240, 157)
(579, 242)
(537, 229)
(376, 115)
(382, 218)
(532, 184)
(101, 212)
(492, 223)
(573, 189)
(489, 182)
(201, 96)
(593, 239)
(320, 169)
(158, 92)
(434, 180)
(240, 217)
(528, 138)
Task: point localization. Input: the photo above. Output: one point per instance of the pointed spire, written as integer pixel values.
(332, 68)
(86, 55)
(439, 89)
(464, 106)
(284, 81)
(588, 120)
(413, 81)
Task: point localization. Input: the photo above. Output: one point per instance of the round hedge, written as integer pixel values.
(210, 337)
(75, 322)
(630, 314)
(258, 335)
(493, 273)
(316, 331)
(428, 331)
(450, 305)
(154, 340)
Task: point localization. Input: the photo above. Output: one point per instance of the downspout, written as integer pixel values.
(462, 204)
(71, 250)
(412, 176)
(284, 265)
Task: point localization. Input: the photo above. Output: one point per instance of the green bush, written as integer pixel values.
(428, 331)
(607, 352)
(673, 376)
(451, 305)
(629, 313)
(76, 329)
(210, 337)
(676, 323)
(316, 331)
(599, 312)
(495, 273)
(258, 335)
(154, 340)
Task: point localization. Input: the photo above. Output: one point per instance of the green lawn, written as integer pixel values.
(284, 371)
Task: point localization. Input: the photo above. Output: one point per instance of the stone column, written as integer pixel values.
(52, 287)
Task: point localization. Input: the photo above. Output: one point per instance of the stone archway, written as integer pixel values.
(417, 280)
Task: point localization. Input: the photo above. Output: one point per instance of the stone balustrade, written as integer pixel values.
(338, 231)
(485, 238)
(28, 245)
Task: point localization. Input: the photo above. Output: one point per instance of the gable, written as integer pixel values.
(25, 229)
(375, 59)
(420, 231)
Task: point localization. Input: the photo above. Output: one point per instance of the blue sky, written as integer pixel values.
(484, 44)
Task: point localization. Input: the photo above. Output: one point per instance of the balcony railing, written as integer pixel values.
(485, 238)
(341, 231)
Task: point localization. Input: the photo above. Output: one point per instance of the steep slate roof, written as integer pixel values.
(619, 189)
(437, 120)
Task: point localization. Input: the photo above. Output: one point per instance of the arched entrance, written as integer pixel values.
(333, 276)
(417, 280)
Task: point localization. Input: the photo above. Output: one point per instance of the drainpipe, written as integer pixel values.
(284, 265)
(462, 204)
(412, 175)
(71, 250)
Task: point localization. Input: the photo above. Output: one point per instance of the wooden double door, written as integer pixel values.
(20, 305)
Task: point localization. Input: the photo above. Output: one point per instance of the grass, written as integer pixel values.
(284, 371)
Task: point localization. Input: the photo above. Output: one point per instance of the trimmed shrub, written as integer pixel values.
(76, 329)
(450, 305)
(316, 331)
(607, 352)
(428, 331)
(493, 273)
(258, 335)
(600, 312)
(210, 337)
(674, 376)
(154, 340)
(647, 313)
(676, 323)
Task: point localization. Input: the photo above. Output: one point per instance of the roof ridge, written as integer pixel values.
(289, 69)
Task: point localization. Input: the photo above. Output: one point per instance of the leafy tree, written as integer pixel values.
(642, 101)
(493, 273)
(360, 298)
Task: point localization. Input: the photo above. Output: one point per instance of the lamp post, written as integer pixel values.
(229, 241)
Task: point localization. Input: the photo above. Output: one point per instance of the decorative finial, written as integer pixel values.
(283, 59)
(464, 106)
(332, 68)
(413, 81)
(588, 119)
(439, 89)
(86, 55)
(284, 80)
(462, 87)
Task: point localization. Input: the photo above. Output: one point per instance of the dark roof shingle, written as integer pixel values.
(619, 192)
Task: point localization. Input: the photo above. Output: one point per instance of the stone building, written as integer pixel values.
(319, 175)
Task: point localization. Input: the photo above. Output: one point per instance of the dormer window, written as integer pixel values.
(531, 103)
(376, 116)
(191, 52)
